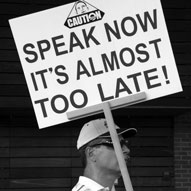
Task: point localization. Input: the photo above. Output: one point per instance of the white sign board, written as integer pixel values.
(84, 53)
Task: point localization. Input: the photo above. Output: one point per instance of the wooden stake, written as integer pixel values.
(117, 146)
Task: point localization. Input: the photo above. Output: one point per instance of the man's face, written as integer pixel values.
(81, 8)
(106, 158)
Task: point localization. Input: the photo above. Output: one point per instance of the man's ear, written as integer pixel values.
(91, 153)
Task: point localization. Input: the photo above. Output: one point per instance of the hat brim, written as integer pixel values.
(125, 133)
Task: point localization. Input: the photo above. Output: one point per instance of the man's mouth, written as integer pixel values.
(127, 158)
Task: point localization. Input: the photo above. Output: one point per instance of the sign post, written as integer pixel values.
(106, 108)
(117, 147)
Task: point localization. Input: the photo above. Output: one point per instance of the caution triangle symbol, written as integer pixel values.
(83, 13)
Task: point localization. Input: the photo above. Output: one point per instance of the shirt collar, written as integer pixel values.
(94, 186)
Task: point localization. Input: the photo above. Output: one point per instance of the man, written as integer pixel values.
(101, 167)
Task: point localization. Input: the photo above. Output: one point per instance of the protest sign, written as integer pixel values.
(88, 52)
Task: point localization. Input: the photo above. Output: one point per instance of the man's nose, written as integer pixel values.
(125, 149)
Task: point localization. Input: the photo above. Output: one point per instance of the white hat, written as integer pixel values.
(98, 127)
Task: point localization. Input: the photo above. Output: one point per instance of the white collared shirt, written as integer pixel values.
(87, 184)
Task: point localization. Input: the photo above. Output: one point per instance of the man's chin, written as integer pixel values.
(118, 172)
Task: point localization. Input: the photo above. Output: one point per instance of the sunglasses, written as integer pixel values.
(109, 143)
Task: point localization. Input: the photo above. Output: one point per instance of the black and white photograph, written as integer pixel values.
(95, 95)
